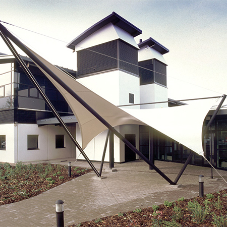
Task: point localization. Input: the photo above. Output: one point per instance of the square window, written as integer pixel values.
(59, 141)
(32, 142)
(131, 98)
(2, 142)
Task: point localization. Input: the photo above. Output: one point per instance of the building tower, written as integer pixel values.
(152, 71)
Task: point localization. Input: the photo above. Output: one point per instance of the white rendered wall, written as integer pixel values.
(46, 143)
(114, 86)
(106, 34)
(146, 53)
(104, 84)
(153, 93)
(8, 155)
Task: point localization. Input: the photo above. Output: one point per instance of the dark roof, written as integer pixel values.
(155, 45)
(113, 18)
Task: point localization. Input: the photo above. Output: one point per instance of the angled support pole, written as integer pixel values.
(48, 102)
(104, 152)
(80, 100)
(206, 129)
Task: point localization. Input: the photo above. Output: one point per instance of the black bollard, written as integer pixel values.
(60, 213)
(201, 186)
(69, 168)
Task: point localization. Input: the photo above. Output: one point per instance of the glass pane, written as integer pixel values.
(2, 142)
(32, 142)
(2, 91)
(59, 141)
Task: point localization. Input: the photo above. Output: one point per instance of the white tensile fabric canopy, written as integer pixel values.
(183, 123)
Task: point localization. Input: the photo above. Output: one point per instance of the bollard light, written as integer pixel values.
(59, 213)
(69, 169)
(201, 186)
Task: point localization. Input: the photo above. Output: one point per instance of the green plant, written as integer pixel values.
(172, 223)
(55, 174)
(82, 170)
(76, 168)
(155, 207)
(137, 210)
(209, 196)
(168, 204)
(78, 171)
(58, 173)
(49, 179)
(61, 178)
(177, 213)
(98, 220)
(219, 221)
(199, 213)
(181, 199)
(218, 204)
(52, 182)
(156, 223)
(120, 214)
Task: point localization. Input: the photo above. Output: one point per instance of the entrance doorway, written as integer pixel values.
(129, 154)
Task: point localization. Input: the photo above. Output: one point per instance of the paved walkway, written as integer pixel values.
(89, 197)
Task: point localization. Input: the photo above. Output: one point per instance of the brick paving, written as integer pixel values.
(88, 197)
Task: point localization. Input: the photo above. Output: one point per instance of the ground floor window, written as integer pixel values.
(32, 142)
(2, 142)
(59, 141)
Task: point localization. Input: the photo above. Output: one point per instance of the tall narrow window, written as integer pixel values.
(2, 142)
(32, 142)
(59, 141)
(131, 98)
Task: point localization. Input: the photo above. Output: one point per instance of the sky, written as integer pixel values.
(194, 31)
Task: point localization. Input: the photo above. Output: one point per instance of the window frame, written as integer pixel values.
(60, 141)
(37, 142)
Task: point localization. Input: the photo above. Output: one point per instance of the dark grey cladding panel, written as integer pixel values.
(7, 116)
(152, 71)
(146, 72)
(97, 58)
(105, 57)
(160, 73)
(128, 57)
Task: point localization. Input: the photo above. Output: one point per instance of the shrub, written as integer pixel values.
(181, 199)
(137, 210)
(219, 221)
(168, 204)
(177, 213)
(199, 213)
(155, 207)
(209, 196)
(61, 178)
(49, 179)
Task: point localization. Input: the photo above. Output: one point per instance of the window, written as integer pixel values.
(59, 141)
(32, 142)
(131, 98)
(2, 91)
(2, 142)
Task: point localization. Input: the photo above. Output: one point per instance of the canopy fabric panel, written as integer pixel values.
(182, 123)
(90, 126)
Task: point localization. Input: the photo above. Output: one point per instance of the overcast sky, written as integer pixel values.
(194, 31)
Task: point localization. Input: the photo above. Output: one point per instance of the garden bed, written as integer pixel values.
(211, 210)
(22, 181)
